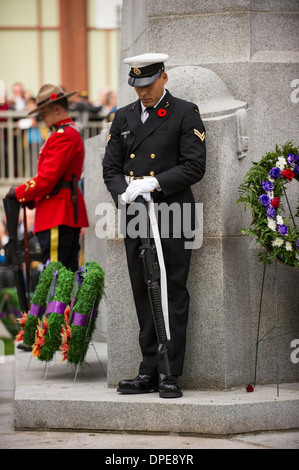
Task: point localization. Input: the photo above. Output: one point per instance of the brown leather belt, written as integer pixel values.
(67, 184)
(72, 185)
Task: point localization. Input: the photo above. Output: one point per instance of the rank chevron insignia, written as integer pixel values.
(199, 134)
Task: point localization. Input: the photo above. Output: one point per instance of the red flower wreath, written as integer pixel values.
(53, 97)
(162, 112)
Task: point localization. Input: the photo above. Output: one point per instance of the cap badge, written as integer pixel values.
(137, 71)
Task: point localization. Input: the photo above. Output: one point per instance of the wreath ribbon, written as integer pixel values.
(36, 310)
(56, 307)
(79, 319)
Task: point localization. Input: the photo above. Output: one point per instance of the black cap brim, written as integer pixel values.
(145, 81)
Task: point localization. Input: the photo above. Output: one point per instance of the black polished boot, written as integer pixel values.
(169, 386)
(141, 384)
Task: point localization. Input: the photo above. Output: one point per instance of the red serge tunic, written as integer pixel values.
(61, 156)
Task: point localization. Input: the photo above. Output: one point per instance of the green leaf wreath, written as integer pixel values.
(51, 323)
(39, 302)
(263, 188)
(78, 330)
(48, 333)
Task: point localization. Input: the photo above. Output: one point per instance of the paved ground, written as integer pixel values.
(11, 439)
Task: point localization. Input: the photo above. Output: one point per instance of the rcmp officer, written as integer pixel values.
(156, 148)
(60, 207)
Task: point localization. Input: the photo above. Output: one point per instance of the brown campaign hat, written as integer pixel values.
(49, 94)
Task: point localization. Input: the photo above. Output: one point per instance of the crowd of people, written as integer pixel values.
(104, 108)
(33, 134)
(29, 133)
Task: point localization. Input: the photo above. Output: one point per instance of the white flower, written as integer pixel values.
(279, 220)
(297, 256)
(281, 163)
(289, 246)
(282, 160)
(271, 224)
(280, 166)
(277, 242)
(270, 194)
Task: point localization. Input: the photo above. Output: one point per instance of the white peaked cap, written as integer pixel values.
(145, 68)
(144, 60)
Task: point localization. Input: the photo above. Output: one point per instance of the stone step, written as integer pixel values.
(50, 398)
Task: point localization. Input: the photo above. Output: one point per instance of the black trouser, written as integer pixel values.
(177, 262)
(61, 243)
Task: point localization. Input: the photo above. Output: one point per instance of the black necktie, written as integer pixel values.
(149, 110)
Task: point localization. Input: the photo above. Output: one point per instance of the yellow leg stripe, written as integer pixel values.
(54, 244)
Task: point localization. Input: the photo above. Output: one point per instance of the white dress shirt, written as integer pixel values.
(144, 113)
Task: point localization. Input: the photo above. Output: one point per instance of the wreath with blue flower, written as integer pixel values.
(264, 190)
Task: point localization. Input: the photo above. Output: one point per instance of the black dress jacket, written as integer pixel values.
(170, 145)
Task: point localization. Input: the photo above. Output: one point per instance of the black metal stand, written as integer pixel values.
(276, 328)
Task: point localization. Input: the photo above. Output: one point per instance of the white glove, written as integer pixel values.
(141, 187)
(125, 200)
(146, 196)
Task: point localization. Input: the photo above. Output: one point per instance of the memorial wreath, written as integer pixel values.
(80, 321)
(63, 312)
(29, 322)
(47, 335)
(263, 189)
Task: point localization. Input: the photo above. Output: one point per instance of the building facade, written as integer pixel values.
(72, 43)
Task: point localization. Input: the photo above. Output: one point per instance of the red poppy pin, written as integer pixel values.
(53, 97)
(162, 112)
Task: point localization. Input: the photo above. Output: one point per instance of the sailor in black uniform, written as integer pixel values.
(156, 148)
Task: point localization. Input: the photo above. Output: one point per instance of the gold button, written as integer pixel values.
(47, 197)
(153, 155)
(131, 173)
(152, 173)
(132, 155)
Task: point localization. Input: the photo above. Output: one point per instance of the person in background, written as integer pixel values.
(32, 138)
(111, 105)
(17, 102)
(4, 106)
